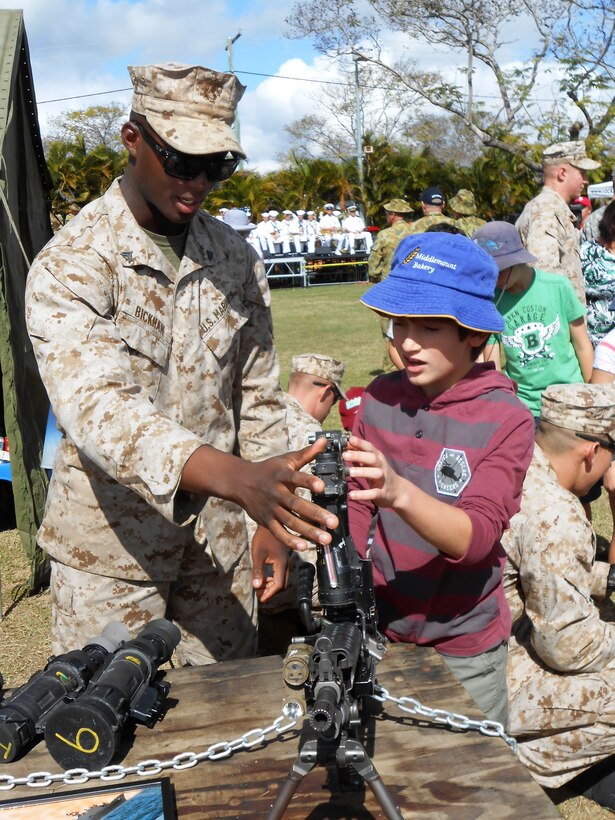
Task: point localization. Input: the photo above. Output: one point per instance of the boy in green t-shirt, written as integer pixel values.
(545, 340)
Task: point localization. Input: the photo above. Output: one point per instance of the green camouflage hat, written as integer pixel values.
(323, 367)
(463, 202)
(398, 206)
(192, 108)
(584, 408)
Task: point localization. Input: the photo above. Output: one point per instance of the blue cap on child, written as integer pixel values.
(440, 274)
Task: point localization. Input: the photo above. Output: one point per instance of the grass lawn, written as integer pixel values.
(328, 320)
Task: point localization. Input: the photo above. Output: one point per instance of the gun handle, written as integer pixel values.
(305, 586)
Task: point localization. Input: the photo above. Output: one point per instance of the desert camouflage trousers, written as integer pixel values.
(215, 613)
(565, 722)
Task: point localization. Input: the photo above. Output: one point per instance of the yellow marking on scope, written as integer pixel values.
(133, 659)
(77, 744)
(8, 750)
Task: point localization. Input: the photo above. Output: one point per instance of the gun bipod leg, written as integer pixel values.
(352, 753)
(305, 762)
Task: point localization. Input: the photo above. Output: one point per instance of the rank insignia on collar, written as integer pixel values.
(452, 472)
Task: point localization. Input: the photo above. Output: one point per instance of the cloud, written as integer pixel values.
(276, 102)
(82, 47)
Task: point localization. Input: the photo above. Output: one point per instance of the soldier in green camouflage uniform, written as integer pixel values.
(432, 204)
(151, 325)
(381, 256)
(561, 662)
(398, 214)
(463, 205)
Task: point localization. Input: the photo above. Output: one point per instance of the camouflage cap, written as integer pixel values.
(323, 367)
(573, 153)
(463, 202)
(584, 408)
(190, 107)
(398, 206)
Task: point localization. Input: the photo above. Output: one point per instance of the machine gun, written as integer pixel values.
(87, 730)
(23, 713)
(335, 665)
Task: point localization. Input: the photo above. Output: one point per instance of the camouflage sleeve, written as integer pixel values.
(590, 232)
(544, 241)
(86, 370)
(557, 577)
(259, 404)
(376, 261)
(600, 572)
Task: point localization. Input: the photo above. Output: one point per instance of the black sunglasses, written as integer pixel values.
(609, 445)
(336, 392)
(216, 167)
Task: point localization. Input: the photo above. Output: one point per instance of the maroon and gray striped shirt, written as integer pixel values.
(469, 446)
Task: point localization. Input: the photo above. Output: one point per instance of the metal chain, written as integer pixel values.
(225, 748)
(456, 721)
(181, 761)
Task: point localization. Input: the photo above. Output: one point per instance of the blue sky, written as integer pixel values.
(80, 48)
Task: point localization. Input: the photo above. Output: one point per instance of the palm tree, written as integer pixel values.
(79, 175)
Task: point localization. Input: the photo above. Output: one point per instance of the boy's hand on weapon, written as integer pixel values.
(363, 460)
(270, 565)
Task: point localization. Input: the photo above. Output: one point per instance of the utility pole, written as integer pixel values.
(229, 49)
(358, 124)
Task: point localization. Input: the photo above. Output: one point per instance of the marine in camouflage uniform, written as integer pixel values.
(155, 350)
(589, 231)
(278, 618)
(561, 664)
(547, 225)
(464, 204)
(381, 256)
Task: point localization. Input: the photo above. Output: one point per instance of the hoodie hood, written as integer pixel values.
(481, 379)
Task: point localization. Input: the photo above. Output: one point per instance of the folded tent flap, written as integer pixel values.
(24, 229)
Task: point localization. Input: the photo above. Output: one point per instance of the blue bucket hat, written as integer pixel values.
(443, 275)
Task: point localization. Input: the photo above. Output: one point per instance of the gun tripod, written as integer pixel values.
(345, 752)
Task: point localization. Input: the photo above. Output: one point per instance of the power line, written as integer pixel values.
(274, 77)
(83, 96)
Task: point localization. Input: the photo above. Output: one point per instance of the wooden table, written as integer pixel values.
(431, 771)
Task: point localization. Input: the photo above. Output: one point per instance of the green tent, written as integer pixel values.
(24, 229)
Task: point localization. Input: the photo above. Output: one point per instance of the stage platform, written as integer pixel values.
(316, 269)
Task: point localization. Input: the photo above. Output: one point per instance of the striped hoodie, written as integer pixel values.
(469, 446)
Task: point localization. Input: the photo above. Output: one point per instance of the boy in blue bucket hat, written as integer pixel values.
(439, 452)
